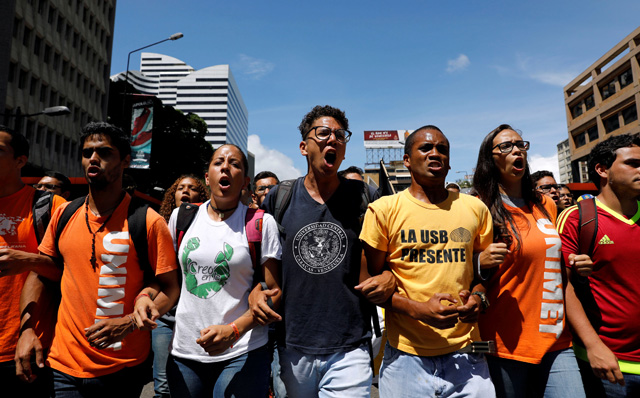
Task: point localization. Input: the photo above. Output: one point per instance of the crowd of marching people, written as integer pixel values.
(258, 288)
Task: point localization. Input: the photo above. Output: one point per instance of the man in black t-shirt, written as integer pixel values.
(323, 341)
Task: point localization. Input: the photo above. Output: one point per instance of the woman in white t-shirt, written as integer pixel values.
(218, 348)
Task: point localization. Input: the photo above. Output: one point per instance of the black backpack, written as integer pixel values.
(137, 220)
(41, 211)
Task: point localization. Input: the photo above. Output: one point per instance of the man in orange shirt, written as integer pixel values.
(97, 349)
(17, 241)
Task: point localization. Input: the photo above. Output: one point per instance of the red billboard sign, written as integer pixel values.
(381, 135)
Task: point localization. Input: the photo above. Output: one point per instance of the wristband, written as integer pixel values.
(133, 322)
(236, 332)
(140, 295)
(480, 270)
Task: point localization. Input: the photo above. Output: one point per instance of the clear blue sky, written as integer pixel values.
(465, 66)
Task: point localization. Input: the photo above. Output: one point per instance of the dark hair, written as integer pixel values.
(351, 170)
(486, 185)
(604, 153)
(117, 137)
(169, 200)
(66, 184)
(18, 142)
(538, 175)
(408, 144)
(245, 162)
(265, 174)
(322, 111)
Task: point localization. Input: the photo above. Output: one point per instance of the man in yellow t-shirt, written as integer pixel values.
(429, 238)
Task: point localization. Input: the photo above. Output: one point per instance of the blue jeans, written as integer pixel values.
(450, 375)
(125, 383)
(630, 389)
(160, 340)
(556, 376)
(279, 390)
(341, 374)
(244, 376)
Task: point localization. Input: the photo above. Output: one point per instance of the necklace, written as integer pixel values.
(221, 211)
(94, 260)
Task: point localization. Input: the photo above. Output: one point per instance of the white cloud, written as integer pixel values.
(545, 71)
(272, 160)
(254, 67)
(457, 64)
(538, 162)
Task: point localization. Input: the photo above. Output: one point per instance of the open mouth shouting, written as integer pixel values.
(518, 165)
(330, 158)
(93, 171)
(224, 183)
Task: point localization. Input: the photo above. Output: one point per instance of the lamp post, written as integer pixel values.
(51, 111)
(173, 37)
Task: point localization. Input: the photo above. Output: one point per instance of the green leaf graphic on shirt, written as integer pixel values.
(219, 274)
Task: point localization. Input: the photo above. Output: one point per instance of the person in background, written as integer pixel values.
(19, 241)
(55, 182)
(544, 183)
(453, 187)
(526, 318)
(186, 189)
(262, 183)
(566, 196)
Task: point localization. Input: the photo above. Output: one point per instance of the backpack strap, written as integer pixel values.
(253, 228)
(587, 226)
(68, 212)
(283, 197)
(137, 220)
(186, 213)
(41, 212)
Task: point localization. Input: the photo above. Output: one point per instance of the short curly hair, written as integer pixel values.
(119, 139)
(322, 111)
(604, 153)
(169, 201)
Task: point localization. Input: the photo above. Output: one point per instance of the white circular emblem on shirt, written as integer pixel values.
(320, 247)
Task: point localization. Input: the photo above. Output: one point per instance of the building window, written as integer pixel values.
(37, 45)
(34, 86)
(47, 142)
(60, 24)
(589, 102)
(56, 61)
(16, 27)
(592, 132)
(52, 15)
(22, 79)
(26, 36)
(12, 71)
(630, 114)
(609, 89)
(611, 123)
(43, 93)
(47, 53)
(625, 78)
(580, 139)
(40, 134)
(576, 110)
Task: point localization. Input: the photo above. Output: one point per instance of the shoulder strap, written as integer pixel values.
(366, 199)
(41, 212)
(253, 228)
(137, 220)
(68, 212)
(186, 214)
(283, 197)
(587, 225)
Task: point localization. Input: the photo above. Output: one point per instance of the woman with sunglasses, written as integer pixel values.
(218, 348)
(526, 292)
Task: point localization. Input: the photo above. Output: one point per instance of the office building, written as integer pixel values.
(388, 146)
(55, 53)
(211, 93)
(564, 163)
(603, 101)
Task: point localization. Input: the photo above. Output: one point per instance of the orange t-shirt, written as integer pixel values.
(526, 293)
(91, 295)
(16, 232)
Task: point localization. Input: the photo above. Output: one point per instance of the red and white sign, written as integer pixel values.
(383, 135)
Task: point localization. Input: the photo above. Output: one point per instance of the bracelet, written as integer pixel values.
(236, 332)
(133, 322)
(140, 295)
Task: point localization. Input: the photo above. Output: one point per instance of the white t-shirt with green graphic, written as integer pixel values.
(217, 277)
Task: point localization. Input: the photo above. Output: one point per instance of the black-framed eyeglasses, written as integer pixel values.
(263, 188)
(547, 187)
(507, 146)
(323, 133)
(48, 186)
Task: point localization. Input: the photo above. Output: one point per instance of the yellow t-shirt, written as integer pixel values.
(430, 250)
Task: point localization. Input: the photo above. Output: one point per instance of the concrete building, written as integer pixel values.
(55, 53)
(564, 163)
(211, 93)
(603, 101)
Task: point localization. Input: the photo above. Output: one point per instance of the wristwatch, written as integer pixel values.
(484, 301)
